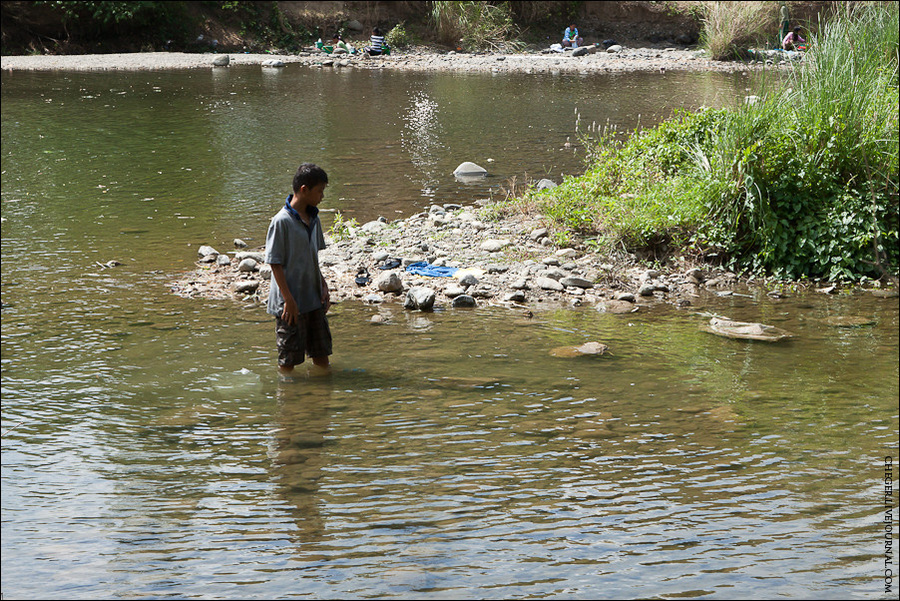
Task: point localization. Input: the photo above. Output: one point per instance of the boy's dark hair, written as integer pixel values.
(376, 31)
(309, 175)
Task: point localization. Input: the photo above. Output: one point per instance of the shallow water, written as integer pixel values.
(150, 449)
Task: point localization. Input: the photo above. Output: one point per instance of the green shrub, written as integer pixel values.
(398, 37)
(803, 183)
(474, 25)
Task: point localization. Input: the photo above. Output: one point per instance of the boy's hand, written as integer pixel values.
(290, 312)
(326, 296)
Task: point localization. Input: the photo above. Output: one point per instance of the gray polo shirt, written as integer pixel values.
(293, 245)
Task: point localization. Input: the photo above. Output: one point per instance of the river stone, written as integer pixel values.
(520, 284)
(205, 251)
(588, 348)
(265, 271)
(419, 297)
(221, 61)
(453, 291)
(389, 282)
(380, 255)
(647, 290)
(614, 49)
(848, 321)
(549, 284)
(745, 330)
(576, 282)
(259, 257)
(492, 246)
(246, 286)
(617, 306)
(273, 62)
(464, 300)
(247, 265)
(373, 227)
(545, 184)
(223, 260)
(581, 51)
(538, 234)
(516, 296)
(238, 243)
(625, 296)
(553, 273)
(466, 280)
(468, 169)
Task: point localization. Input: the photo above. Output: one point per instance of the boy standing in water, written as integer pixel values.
(298, 295)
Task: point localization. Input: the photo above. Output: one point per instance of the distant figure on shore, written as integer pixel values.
(792, 40)
(571, 38)
(337, 42)
(785, 22)
(377, 43)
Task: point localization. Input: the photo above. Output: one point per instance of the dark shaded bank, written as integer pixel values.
(92, 27)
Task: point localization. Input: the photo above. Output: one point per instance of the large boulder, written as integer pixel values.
(419, 297)
(469, 170)
(389, 282)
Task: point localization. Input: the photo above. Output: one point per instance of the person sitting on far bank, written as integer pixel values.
(792, 40)
(337, 42)
(571, 38)
(377, 41)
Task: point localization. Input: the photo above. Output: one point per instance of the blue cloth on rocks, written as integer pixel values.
(432, 271)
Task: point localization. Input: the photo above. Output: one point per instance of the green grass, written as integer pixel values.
(803, 183)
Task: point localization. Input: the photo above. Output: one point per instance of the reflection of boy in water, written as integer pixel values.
(302, 422)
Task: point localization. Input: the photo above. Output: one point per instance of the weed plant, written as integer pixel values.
(475, 25)
(729, 28)
(801, 183)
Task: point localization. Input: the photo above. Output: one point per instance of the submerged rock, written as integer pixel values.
(848, 321)
(588, 348)
(745, 330)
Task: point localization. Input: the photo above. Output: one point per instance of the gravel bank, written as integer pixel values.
(599, 61)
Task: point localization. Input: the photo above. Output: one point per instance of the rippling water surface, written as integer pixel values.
(150, 449)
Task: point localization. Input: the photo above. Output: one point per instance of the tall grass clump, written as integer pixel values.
(801, 183)
(729, 28)
(475, 25)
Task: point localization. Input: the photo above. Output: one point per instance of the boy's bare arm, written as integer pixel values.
(290, 312)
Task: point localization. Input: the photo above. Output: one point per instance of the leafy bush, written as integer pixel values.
(803, 183)
(474, 25)
(398, 37)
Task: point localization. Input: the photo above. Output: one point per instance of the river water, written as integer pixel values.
(150, 449)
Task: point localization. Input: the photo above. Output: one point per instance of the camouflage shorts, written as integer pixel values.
(309, 336)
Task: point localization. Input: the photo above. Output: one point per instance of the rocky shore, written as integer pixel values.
(457, 257)
(588, 60)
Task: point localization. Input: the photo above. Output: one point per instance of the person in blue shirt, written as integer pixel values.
(571, 38)
(298, 296)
